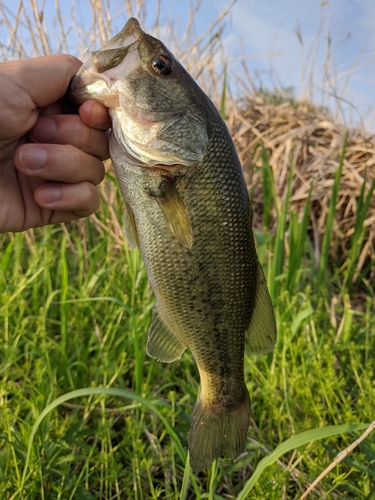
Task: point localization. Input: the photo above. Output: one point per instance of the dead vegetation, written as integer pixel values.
(298, 133)
(305, 136)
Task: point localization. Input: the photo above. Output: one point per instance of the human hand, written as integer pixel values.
(50, 162)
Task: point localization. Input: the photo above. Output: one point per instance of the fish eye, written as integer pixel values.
(162, 65)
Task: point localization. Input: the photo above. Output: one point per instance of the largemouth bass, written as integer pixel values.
(188, 211)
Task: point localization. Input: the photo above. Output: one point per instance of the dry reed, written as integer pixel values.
(299, 133)
(304, 135)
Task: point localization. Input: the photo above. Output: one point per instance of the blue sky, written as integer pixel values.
(258, 27)
(266, 27)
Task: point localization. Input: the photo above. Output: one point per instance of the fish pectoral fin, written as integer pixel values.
(175, 213)
(131, 232)
(262, 334)
(162, 343)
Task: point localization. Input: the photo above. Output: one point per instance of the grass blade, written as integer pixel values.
(185, 480)
(297, 244)
(268, 191)
(330, 218)
(359, 231)
(122, 393)
(279, 248)
(338, 459)
(224, 96)
(293, 443)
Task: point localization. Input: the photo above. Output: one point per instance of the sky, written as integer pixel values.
(320, 48)
(300, 35)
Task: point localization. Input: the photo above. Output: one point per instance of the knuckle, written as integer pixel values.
(76, 162)
(90, 199)
(84, 136)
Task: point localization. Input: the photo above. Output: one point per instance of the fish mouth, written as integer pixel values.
(95, 74)
(122, 76)
(97, 77)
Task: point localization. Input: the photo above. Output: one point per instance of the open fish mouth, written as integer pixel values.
(118, 58)
(133, 75)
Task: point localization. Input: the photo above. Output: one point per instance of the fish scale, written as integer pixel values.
(188, 211)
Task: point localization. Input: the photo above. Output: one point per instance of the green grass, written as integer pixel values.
(74, 310)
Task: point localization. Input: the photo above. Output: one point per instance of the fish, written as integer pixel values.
(187, 209)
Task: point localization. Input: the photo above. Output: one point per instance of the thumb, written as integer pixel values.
(45, 79)
(29, 84)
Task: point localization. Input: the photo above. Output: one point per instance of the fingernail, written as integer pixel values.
(33, 157)
(50, 194)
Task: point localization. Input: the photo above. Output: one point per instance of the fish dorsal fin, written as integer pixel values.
(262, 335)
(131, 232)
(162, 344)
(175, 212)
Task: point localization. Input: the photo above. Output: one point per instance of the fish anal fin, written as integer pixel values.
(131, 232)
(162, 343)
(261, 335)
(175, 212)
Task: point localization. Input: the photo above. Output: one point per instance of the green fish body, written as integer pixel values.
(188, 211)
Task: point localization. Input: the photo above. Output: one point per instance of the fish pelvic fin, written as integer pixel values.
(262, 333)
(162, 343)
(217, 432)
(131, 233)
(175, 213)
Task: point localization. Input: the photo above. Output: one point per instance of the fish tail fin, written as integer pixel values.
(215, 432)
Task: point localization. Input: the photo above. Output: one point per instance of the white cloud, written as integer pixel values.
(270, 26)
